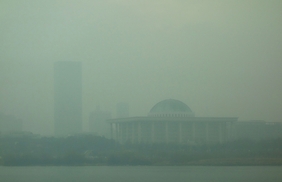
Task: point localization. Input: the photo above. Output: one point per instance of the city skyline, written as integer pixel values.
(222, 58)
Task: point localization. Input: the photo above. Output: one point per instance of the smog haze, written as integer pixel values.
(221, 58)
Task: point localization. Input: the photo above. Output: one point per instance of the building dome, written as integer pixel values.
(171, 108)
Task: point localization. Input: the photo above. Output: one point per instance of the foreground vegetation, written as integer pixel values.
(94, 150)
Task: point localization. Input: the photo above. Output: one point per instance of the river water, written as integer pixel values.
(141, 174)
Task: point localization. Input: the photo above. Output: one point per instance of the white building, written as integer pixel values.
(172, 121)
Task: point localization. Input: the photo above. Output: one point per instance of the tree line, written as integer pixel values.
(96, 150)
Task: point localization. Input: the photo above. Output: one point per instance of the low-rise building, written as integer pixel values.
(172, 121)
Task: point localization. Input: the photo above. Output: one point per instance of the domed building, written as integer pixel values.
(171, 108)
(172, 121)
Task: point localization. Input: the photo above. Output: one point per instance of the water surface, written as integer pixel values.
(141, 174)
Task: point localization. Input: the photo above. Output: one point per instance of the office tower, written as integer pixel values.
(67, 98)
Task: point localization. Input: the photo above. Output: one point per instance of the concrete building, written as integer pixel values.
(257, 130)
(67, 98)
(172, 121)
(98, 124)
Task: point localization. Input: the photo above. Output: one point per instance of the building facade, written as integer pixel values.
(172, 121)
(67, 98)
(257, 130)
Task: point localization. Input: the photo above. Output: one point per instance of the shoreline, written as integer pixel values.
(204, 162)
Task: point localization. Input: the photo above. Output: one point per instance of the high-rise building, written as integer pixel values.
(67, 98)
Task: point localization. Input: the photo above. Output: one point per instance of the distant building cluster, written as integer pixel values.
(172, 121)
(169, 121)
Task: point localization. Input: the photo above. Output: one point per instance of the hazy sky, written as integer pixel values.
(220, 57)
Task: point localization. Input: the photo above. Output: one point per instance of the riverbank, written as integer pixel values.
(99, 151)
(239, 162)
(204, 162)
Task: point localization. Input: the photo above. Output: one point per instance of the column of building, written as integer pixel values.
(111, 125)
(166, 132)
(133, 132)
(121, 132)
(180, 132)
(220, 133)
(207, 132)
(127, 137)
(152, 132)
(139, 132)
(194, 132)
(117, 131)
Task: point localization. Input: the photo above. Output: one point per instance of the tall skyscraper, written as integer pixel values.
(67, 98)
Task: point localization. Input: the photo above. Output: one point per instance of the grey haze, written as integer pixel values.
(221, 58)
